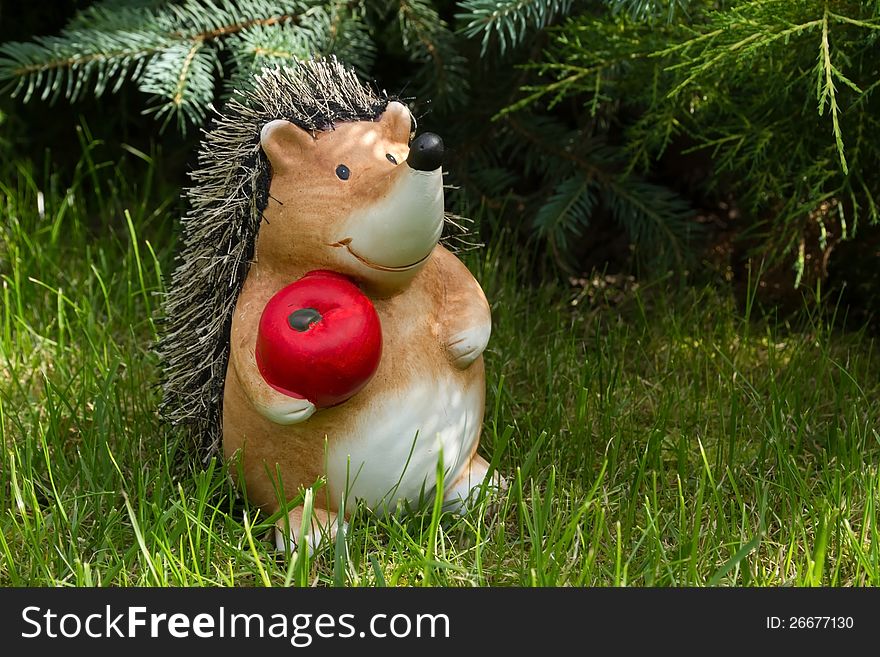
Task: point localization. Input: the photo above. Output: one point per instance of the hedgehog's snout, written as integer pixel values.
(426, 152)
(397, 231)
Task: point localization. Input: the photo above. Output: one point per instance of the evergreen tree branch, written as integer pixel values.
(428, 38)
(235, 28)
(74, 61)
(566, 211)
(508, 21)
(649, 10)
(107, 44)
(177, 98)
(537, 140)
(653, 216)
(826, 92)
(107, 57)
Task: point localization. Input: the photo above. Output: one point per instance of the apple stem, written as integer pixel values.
(302, 319)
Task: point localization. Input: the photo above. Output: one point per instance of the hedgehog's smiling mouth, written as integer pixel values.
(375, 265)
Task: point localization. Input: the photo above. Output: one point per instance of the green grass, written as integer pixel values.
(668, 439)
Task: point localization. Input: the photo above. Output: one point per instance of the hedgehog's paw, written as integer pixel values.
(464, 492)
(322, 529)
(285, 410)
(466, 346)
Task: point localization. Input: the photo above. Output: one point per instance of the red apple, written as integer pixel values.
(319, 339)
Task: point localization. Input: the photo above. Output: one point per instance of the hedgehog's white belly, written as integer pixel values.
(393, 452)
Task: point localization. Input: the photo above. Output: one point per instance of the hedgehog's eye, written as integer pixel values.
(343, 172)
(391, 158)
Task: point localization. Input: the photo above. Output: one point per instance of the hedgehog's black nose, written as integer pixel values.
(426, 152)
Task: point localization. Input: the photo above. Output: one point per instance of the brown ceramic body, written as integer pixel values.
(428, 392)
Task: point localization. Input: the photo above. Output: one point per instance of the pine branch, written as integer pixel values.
(566, 211)
(112, 15)
(181, 78)
(649, 10)
(826, 92)
(83, 56)
(658, 221)
(508, 21)
(234, 27)
(258, 47)
(428, 39)
(596, 58)
(349, 36)
(164, 47)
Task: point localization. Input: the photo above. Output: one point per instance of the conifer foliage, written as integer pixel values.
(563, 113)
(782, 94)
(183, 54)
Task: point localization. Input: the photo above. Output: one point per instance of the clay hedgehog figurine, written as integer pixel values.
(312, 195)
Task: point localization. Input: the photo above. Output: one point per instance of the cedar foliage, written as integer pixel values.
(562, 115)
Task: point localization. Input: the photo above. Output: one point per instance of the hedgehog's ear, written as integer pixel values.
(283, 142)
(398, 121)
